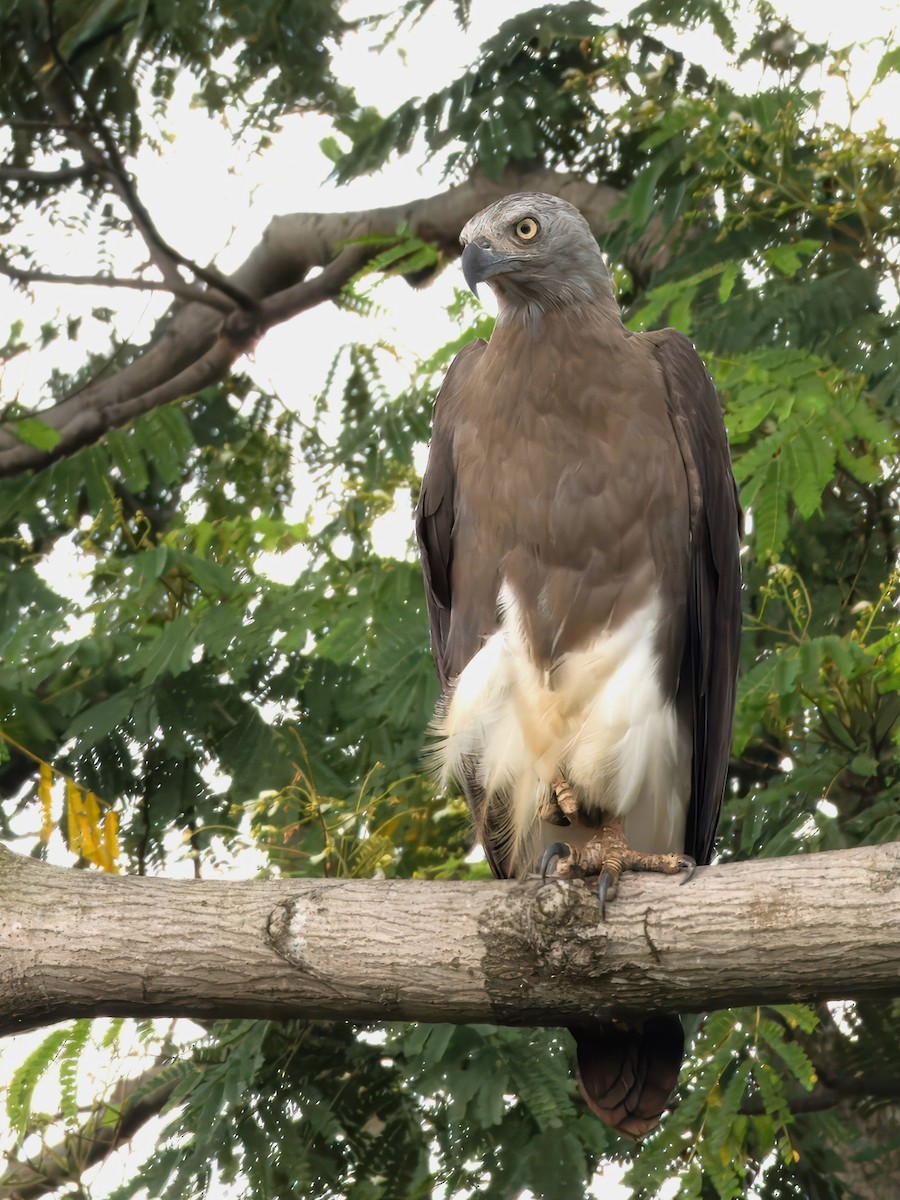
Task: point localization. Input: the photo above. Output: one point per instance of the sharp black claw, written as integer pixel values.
(557, 850)
(603, 885)
(690, 866)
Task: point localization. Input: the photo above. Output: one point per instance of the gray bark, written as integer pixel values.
(76, 943)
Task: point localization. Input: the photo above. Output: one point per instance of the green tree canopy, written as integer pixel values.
(186, 705)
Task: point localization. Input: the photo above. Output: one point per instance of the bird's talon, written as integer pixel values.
(689, 866)
(557, 850)
(607, 886)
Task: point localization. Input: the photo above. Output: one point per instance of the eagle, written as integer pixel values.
(579, 528)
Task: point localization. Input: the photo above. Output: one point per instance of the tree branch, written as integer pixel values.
(826, 926)
(28, 275)
(200, 346)
(132, 1103)
(106, 161)
(825, 1095)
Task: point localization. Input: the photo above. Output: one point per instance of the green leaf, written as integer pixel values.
(94, 723)
(70, 1056)
(729, 277)
(790, 1052)
(642, 193)
(788, 259)
(35, 432)
(864, 765)
(212, 579)
(126, 455)
(768, 506)
(557, 1165)
(332, 149)
(168, 653)
(888, 63)
(26, 1078)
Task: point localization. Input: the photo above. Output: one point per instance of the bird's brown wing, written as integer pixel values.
(710, 664)
(435, 517)
(627, 1074)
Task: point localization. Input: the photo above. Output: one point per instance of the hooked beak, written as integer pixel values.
(479, 262)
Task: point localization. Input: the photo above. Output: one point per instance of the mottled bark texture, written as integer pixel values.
(77, 943)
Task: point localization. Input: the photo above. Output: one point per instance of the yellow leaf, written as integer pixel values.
(73, 808)
(45, 796)
(87, 843)
(111, 841)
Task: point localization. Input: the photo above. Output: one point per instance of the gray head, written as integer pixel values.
(537, 252)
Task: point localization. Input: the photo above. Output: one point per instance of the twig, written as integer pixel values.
(181, 289)
(108, 162)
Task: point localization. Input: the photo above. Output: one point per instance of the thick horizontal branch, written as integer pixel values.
(200, 345)
(75, 943)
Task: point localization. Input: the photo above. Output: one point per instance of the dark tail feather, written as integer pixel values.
(628, 1074)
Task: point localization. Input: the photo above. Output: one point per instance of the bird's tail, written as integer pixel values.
(628, 1073)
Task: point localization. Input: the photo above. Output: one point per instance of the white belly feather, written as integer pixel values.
(598, 718)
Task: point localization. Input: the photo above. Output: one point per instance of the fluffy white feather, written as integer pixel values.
(597, 718)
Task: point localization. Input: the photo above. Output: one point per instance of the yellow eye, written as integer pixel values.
(527, 229)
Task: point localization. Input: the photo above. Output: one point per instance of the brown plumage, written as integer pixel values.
(578, 525)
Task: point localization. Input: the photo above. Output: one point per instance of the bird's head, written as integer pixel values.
(537, 252)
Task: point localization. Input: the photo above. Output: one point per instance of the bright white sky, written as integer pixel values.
(247, 190)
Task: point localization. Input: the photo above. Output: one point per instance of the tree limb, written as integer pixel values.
(824, 1095)
(105, 160)
(825, 926)
(132, 1103)
(200, 346)
(28, 275)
